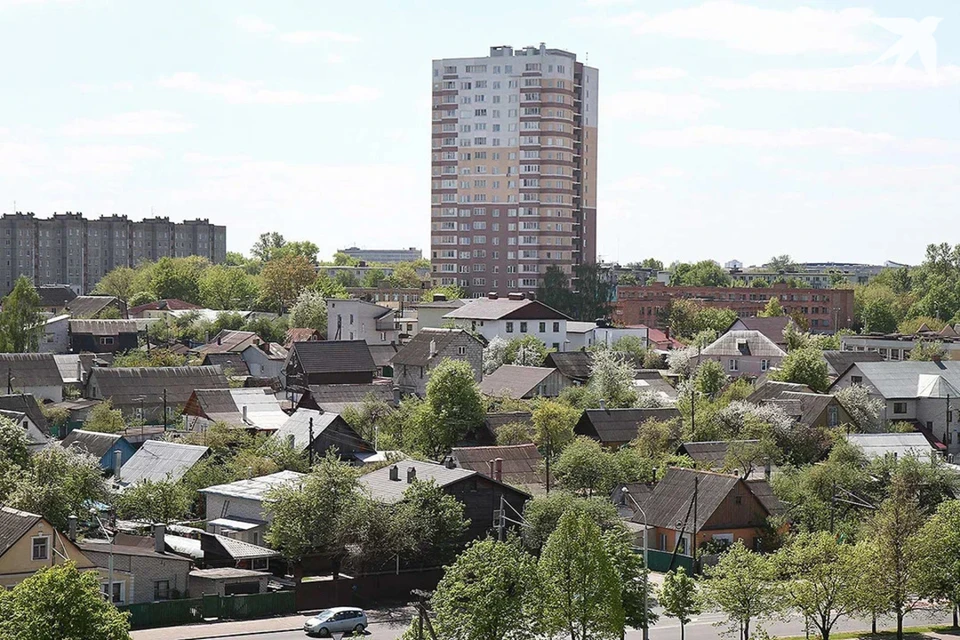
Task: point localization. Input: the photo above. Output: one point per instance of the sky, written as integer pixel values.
(727, 129)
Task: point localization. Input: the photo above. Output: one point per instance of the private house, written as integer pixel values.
(771, 390)
(91, 307)
(154, 574)
(54, 298)
(920, 393)
(430, 315)
(78, 412)
(236, 509)
(254, 409)
(24, 410)
(354, 319)
(301, 334)
(230, 341)
(103, 336)
(56, 335)
(813, 409)
(512, 317)
(519, 465)
(265, 360)
(29, 543)
(210, 550)
(334, 398)
(573, 365)
(614, 428)
(152, 394)
(75, 367)
(727, 509)
(36, 439)
(157, 460)
(726, 456)
(35, 374)
(486, 434)
(232, 364)
(608, 335)
(479, 493)
(382, 354)
(414, 362)
(161, 308)
(328, 362)
(895, 445)
(743, 353)
(320, 432)
(772, 328)
(839, 361)
(516, 382)
(580, 335)
(102, 446)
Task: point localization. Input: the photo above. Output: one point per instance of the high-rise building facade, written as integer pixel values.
(514, 168)
(69, 249)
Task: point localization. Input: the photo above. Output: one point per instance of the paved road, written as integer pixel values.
(702, 628)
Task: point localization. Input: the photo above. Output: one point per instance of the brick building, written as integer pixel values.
(826, 310)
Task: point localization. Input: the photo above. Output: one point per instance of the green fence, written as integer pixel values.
(661, 561)
(240, 607)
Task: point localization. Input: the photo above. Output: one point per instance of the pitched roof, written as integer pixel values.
(513, 381)
(337, 397)
(417, 352)
(89, 306)
(298, 426)
(104, 546)
(839, 361)
(381, 488)
(55, 295)
(103, 327)
(619, 425)
(228, 341)
(383, 354)
(30, 370)
(14, 524)
(255, 488)
(26, 404)
(580, 327)
(772, 328)
(771, 390)
(743, 343)
(764, 492)
(878, 445)
(301, 334)
(493, 421)
(573, 364)
(235, 549)
(227, 405)
(520, 466)
(901, 379)
(713, 454)
(127, 385)
(168, 304)
(334, 356)
(935, 386)
(811, 405)
(67, 363)
(505, 309)
(231, 363)
(92, 442)
(159, 460)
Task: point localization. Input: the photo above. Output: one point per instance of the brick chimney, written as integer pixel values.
(411, 474)
(498, 469)
(394, 473)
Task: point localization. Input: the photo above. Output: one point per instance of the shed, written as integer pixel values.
(228, 581)
(326, 362)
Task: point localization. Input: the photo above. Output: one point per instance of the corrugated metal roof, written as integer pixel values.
(743, 343)
(89, 306)
(878, 445)
(157, 460)
(103, 327)
(416, 353)
(513, 381)
(901, 379)
(14, 524)
(840, 361)
(93, 442)
(337, 356)
(771, 390)
(255, 488)
(298, 426)
(227, 405)
(619, 425)
(712, 455)
(504, 308)
(30, 370)
(381, 488)
(336, 397)
(520, 466)
(126, 385)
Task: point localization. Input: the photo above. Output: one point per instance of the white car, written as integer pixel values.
(347, 619)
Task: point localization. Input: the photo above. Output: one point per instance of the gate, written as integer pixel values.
(211, 606)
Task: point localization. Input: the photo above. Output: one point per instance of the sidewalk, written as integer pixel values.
(252, 627)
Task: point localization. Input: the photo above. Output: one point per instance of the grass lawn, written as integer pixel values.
(909, 633)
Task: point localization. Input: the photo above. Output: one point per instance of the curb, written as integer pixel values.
(234, 634)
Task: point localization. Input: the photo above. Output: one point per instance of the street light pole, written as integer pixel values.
(646, 566)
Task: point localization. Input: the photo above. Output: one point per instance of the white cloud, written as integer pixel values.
(19, 3)
(650, 104)
(136, 123)
(840, 140)
(857, 78)
(606, 3)
(246, 92)
(660, 73)
(335, 58)
(760, 30)
(38, 160)
(259, 26)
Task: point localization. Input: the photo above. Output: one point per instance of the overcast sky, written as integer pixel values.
(727, 129)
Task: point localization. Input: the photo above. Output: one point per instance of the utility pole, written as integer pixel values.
(9, 381)
(693, 534)
(310, 444)
(693, 412)
(549, 455)
(502, 521)
(165, 410)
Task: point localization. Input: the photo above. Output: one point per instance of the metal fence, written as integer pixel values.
(167, 613)
(664, 561)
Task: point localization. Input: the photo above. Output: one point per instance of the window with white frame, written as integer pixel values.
(40, 548)
(734, 364)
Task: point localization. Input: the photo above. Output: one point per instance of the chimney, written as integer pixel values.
(72, 528)
(395, 473)
(492, 295)
(603, 404)
(411, 474)
(219, 338)
(433, 348)
(291, 441)
(79, 370)
(490, 468)
(265, 347)
(117, 460)
(439, 297)
(666, 332)
(531, 295)
(450, 463)
(159, 538)
(936, 358)
(244, 409)
(766, 470)
(498, 469)
(396, 396)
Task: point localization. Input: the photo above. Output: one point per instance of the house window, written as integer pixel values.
(161, 590)
(543, 327)
(856, 379)
(41, 548)
(106, 341)
(734, 364)
(509, 327)
(259, 564)
(138, 413)
(523, 327)
(556, 327)
(738, 499)
(461, 351)
(351, 319)
(117, 592)
(764, 365)
(556, 346)
(833, 416)
(663, 542)
(682, 546)
(899, 407)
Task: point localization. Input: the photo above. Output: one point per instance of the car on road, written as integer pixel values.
(346, 619)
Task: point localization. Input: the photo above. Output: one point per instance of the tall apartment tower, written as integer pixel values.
(514, 168)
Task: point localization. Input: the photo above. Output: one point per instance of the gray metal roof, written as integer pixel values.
(29, 370)
(381, 488)
(337, 397)
(93, 442)
(103, 327)
(417, 352)
(157, 460)
(13, 525)
(127, 385)
(513, 381)
(504, 308)
(298, 426)
(743, 343)
(878, 445)
(255, 488)
(89, 306)
(901, 379)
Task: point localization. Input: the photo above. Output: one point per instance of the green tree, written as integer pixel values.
(105, 419)
(373, 278)
(865, 411)
(14, 445)
(878, 317)
(582, 590)
(327, 287)
(773, 309)
(155, 358)
(484, 595)
(453, 406)
(555, 291)
(118, 282)
(742, 586)
(936, 552)
(584, 467)
(494, 355)
(341, 259)
(710, 378)
(223, 287)
(553, 424)
(20, 321)
(58, 483)
(611, 379)
(636, 593)
(302, 248)
(267, 245)
(591, 299)
(437, 519)
(632, 346)
(927, 350)
(824, 579)
(60, 603)
(705, 273)
(678, 597)
(782, 263)
(543, 513)
(178, 278)
(450, 292)
(527, 351)
(154, 501)
(284, 278)
(309, 311)
(404, 276)
(805, 366)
